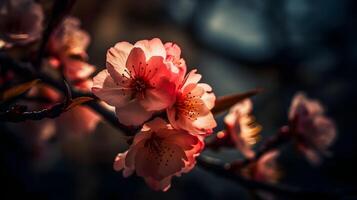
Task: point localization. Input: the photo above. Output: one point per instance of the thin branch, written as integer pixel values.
(17, 113)
(27, 71)
(221, 169)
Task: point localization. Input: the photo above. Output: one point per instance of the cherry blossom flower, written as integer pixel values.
(266, 169)
(21, 22)
(241, 127)
(138, 80)
(158, 153)
(67, 47)
(313, 131)
(192, 109)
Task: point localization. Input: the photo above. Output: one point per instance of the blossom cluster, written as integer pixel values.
(146, 79)
(148, 87)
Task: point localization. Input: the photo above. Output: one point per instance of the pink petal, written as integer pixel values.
(119, 161)
(192, 78)
(116, 62)
(152, 47)
(132, 114)
(156, 124)
(160, 97)
(172, 50)
(136, 62)
(160, 165)
(76, 69)
(108, 91)
(205, 122)
(162, 185)
(208, 97)
(184, 140)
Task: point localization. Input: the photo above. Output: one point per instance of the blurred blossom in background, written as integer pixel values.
(283, 46)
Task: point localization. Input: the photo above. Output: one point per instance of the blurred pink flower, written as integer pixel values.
(313, 131)
(158, 153)
(192, 109)
(67, 47)
(69, 39)
(138, 80)
(20, 22)
(241, 127)
(266, 169)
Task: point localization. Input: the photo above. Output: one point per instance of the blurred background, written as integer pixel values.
(283, 46)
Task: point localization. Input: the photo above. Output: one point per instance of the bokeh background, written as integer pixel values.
(283, 46)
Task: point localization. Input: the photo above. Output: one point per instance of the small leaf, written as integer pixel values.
(78, 101)
(225, 102)
(18, 90)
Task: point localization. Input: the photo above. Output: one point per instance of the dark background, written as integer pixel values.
(284, 46)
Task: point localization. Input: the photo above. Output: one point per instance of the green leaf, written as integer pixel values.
(225, 102)
(18, 90)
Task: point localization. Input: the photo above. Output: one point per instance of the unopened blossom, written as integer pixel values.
(313, 131)
(265, 169)
(158, 153)
(67, 48)
(192, 108)
(241, 127)
(21, 22)
(138, 80)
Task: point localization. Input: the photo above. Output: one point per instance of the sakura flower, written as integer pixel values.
(266, 169)
(21, 22)
(313, 131)
(138, 80)
(158, 153)
(67, 48)
(241, 127)
(192, 109)
(69, 39)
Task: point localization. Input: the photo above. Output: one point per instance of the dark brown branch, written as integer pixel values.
(17, 113)
(289, 192)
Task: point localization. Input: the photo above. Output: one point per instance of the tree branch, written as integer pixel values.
(222, 170)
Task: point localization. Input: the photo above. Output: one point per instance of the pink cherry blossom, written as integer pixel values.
(313, 130)
(241, 127)
(266, 169)
(158, 153)
(138, 80)
(192, 109)
(69, 39)
(21, 22)
(67, 47)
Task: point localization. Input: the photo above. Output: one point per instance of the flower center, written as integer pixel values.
(189, 107)
(139, 85)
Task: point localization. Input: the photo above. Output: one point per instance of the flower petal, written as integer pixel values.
(132, 114)
(136, 62)
(162, 164)
(107, 90)
(152, 47)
